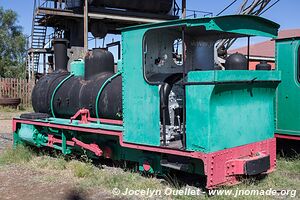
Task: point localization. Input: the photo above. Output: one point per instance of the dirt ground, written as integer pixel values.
(6, 128)
(20, 183)
(5, 134)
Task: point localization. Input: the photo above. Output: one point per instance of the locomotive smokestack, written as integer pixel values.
(60, 54)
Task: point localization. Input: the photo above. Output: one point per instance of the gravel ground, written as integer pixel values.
(5, 134)
(6, 128)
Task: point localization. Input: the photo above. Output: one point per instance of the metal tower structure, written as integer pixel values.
(56, 19)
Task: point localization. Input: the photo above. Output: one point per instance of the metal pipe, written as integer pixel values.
(54, 92)
(248, 53)
(164, 125)
(100, 92)
(44, 63)
(85, 25)
(230, 82)
(184, 89)
(183, 9)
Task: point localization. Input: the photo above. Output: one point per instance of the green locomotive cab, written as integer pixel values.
(207, 108)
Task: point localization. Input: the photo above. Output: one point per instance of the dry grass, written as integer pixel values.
(88, 176)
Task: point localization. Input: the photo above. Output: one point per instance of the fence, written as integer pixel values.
(17, 88)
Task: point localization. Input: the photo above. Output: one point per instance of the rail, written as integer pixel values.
(57, 4)
(197, 13)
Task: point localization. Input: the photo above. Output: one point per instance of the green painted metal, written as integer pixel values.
(16, 139)
(64, 143)
(288, 94)
(54, 92)
(141, 114)
(238, 24)
(223, 116)
(140, 100)
(29, 134)
(77, 123)
(77, 68)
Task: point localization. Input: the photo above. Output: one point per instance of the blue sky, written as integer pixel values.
(286, 12)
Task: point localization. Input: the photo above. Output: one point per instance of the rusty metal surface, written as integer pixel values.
(10, 101)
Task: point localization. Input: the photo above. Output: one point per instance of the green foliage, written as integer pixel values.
(18, 155)
(48, 163)
(12, 46)
(82, 170)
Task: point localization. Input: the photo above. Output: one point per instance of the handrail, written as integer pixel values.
(194, 13)
(100, 91)
(54, 92)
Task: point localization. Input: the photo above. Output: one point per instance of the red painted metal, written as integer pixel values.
(107, 152)
(86, 118)
(237, 166)
(215, 164)
(84, 114)
(217, 171)
(52, 140)
(92, 147)
(287, 137)
(146, 166)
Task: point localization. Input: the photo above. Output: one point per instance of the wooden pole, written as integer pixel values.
(32, 66)
(28, 66)
(183, 9)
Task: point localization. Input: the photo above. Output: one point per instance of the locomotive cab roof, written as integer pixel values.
(229, 26)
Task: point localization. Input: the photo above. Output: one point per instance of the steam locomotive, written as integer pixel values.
(167, 107)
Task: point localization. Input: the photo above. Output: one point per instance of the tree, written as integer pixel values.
(12, 45)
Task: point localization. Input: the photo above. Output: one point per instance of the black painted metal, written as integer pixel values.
(77, 93)
(153, 6)
(97, 61)
(263, 65)
(236, 61)
(254, 167)
(165, 90)
(60, 54)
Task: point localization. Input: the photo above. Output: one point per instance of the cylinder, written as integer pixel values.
(60, 47)
(153, 6)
